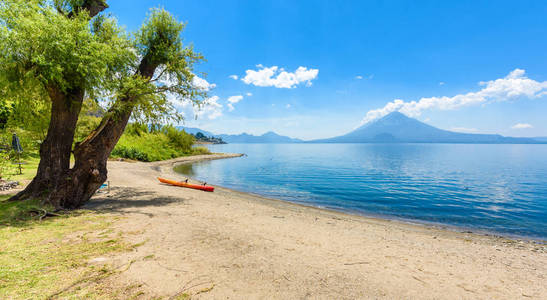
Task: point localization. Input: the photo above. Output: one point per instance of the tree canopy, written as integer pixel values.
(45, 45)
(56, 53)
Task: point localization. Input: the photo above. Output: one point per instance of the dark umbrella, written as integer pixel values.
(16, 146)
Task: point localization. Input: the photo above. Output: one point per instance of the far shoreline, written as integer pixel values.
(167, 167)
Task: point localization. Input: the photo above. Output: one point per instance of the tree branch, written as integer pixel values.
(94, 7)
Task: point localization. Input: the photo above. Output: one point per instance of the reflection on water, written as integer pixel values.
(500, 188)
(187, 169)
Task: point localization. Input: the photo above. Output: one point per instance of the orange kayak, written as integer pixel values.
(187, 185)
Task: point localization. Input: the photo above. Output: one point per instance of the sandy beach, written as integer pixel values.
(232, 245)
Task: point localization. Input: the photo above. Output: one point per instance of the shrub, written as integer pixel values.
(155, 142)
(178, 138)
(130, 153)
(200, 150)
(137, 129)
(5, 164)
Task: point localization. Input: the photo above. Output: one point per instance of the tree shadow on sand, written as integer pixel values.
(124, 200)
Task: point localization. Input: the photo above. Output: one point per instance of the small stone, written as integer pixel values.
(98, 260)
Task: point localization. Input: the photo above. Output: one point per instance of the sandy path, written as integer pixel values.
(231, 245)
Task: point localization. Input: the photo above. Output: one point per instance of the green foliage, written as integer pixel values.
(159, 38)
(27, 139)
(51, 47)
(159, 43)
(130, 153)
(151, 146)
(6, 108)
(178, 138)
(200, 150)
(29, 115)
(153, 143)
(138, 129)
(6, 165)
(8, 158)
(40, 46)
(89, 119)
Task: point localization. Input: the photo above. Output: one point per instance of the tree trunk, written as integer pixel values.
(55, 150)
(77, 185)
(89, 172)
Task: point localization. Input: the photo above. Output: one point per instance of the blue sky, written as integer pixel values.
(480, 65)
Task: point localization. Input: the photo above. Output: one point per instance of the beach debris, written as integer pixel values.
(98, 260)
(43, 213)
(420, 280)
(357, 263)
(8, 185)
(205, 290)
(103, 186)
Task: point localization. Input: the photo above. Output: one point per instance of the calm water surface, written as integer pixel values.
(496, 188)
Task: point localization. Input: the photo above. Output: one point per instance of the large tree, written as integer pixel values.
(65, 50)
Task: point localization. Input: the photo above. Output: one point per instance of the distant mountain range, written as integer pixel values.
(267, 138)
(398, 128)
(245, 138)
(193, 130)
(392, 128)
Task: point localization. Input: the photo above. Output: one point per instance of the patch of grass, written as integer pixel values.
(29, 167)
(183, 296)
(39, 259)
(18, 212)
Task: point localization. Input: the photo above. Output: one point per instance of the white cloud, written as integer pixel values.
(522, 126)
(279, 78)
(233, 100)
(359, 77)
(202, 84)
(441, 83)
(164, 79)
(288, 106)
(209, 108)
(249, 94)
(512, 86)
(234, 77)
(463, 129)
(185, 106)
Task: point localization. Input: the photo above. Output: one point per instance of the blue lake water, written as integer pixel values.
(495, 188)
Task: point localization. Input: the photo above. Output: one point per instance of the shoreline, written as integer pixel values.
(245, 246)
(168, 166)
